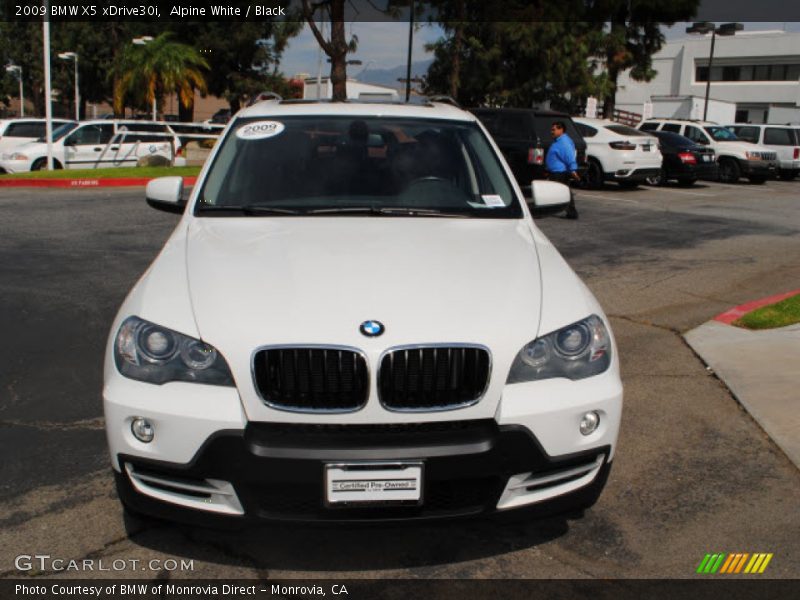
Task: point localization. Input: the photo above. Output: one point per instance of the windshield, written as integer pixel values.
(357, 165)
(60, 131)
(721, 134)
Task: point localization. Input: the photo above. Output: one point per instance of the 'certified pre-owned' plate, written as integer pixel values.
(373, 483)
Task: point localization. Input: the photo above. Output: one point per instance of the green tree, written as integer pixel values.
(146, 72)
(538, 55)
(630, 34)
(244, 60)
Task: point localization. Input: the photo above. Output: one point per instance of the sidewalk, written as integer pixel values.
(762, 371)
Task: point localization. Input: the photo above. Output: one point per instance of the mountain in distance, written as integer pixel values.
(389, 77)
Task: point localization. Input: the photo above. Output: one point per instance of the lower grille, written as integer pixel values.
(433, 377)
(312, 379)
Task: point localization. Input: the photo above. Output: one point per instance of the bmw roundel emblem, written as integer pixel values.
(371, 328)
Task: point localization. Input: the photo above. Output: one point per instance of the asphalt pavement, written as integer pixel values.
(694, 473)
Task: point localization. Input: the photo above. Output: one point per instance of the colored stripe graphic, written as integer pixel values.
(734, 563)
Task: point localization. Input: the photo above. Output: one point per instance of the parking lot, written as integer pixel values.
(693, 474)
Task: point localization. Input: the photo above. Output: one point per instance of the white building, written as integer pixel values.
(355, 90)
(757, 71)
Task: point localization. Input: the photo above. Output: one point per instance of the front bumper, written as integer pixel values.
(15, 166)
(276, 472)
(758, 168)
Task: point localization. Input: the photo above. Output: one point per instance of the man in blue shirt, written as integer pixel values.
(561, 163)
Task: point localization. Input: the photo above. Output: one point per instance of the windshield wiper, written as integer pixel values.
(386, 211)
(250, 209)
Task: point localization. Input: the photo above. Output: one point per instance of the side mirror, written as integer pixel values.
(549, 196)
(166, 193)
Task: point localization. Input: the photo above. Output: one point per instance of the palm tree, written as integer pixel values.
(146, 72)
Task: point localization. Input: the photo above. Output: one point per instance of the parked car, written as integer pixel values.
(618, 153)
(96, 144)
(784, 140)
(16, 132)
(523, 136)
(736, 158)
(684, 160)
(221, 117)
(357, 319)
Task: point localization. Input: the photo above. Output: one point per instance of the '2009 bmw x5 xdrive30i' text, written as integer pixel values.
(357, 318)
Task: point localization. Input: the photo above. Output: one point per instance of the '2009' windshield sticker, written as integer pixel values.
(260, 130)
(493, 200)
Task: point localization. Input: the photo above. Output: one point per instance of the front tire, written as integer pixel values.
(40, 164)
(729, 171)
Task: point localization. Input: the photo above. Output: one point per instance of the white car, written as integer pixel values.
(736, 158)
(94, 145)
(618, 153)
(16, 132)
(357, 318)
(784, 140)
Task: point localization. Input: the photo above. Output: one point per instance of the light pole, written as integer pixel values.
(141, 41)
(704, 28)
(18, 70)
(74, 56)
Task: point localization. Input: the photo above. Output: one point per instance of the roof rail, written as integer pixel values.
(265, 96)
(444, 99)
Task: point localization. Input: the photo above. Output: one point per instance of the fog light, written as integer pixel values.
(144, 431)
(589, 422)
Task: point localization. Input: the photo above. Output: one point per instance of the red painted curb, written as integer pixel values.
(731, 315)
(85, 183)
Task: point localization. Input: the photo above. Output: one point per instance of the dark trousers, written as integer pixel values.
(565, 178)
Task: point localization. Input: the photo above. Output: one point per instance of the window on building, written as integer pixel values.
(777, 73)
(761, 73)
(792, 72)
(746, 73)
(701, 74)
(730, 73)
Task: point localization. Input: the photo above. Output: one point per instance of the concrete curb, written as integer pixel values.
(758, 369)
(729, 316)
(85, 182)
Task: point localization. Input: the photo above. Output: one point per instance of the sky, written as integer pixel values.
(383, 45)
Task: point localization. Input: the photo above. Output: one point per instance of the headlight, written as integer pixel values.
(148, 352)
(18, 156)
(753, 155)
(577, 351)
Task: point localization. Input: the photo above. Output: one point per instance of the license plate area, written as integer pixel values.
(373, 484)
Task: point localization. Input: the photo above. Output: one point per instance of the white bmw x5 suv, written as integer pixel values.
(356, 318)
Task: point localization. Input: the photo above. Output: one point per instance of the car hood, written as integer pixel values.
(742, 146)
(313, 280)
(316, 279)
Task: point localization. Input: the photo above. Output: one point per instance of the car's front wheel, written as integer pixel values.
(729, 171)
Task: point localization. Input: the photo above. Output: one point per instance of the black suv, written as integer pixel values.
(523, 135)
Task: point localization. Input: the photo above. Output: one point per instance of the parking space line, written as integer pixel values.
(686, 192)
(614, 198)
